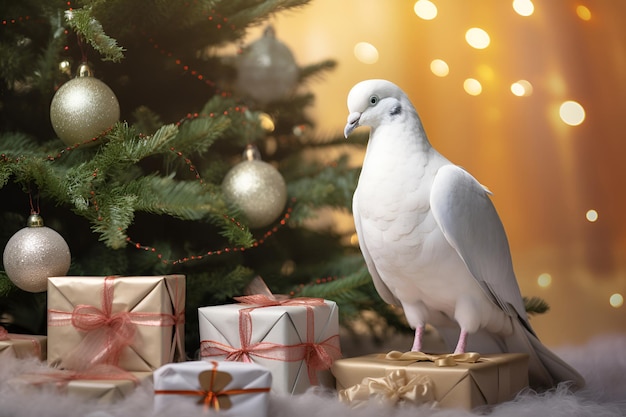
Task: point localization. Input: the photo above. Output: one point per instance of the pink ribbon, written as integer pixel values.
(108, 333)
(317, 356)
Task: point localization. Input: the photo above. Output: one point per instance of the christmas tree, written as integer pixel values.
(148, 188)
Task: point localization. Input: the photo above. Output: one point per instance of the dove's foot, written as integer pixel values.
(460, 346)
(417, 342)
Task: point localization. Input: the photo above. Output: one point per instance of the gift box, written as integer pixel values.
(135, 323)
(22, 346)
(97, 385)
(296, 339)
(232, 388)
(452, 381)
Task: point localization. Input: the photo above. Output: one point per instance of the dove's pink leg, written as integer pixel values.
(417, 342)
(460, 346)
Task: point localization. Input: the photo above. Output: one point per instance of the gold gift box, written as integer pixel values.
(99, 391)
(492, 379)
(23, 346)
(151, 298)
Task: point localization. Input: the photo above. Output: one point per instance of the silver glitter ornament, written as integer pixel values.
(266, 69)
(257, 188)
(83, 108)
(35, 253)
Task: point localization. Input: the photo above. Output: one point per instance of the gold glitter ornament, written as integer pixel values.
(83, 108)
(35, 253)
(257, 188)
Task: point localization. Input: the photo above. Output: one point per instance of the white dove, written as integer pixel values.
(432, 239)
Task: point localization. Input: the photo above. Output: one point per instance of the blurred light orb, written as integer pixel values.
(472, 87)
(522, 88)
(591, 215)
(572, 113)
(439, 67)
(266, 122)
(477, 38)
(425, 9)
(366, 53)
(523, 7)
(616, 300)
(583, 12)
(544, 280)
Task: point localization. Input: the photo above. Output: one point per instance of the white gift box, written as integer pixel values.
(233, 389)
(279, 337)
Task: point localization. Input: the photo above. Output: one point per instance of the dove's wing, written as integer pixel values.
(469, 221)
(384, 291)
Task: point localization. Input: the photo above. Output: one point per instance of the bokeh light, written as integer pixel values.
(583, 12)
(425, 9)
(522, 88)
(572, 113)
(523, 7)
(616, 300)
(544, 280)
(439, 67)
(366, 53)
(477, 38)
(472, 86)
(591, 215)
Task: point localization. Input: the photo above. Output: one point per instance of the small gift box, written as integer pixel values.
(452, 381)
(297, 339)
(232, 388)
(102, 384)
(135, 323)
(22, 346)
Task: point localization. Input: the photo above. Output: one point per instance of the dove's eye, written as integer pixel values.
(373, 100)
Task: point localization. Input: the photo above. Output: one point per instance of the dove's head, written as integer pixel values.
(371, 102)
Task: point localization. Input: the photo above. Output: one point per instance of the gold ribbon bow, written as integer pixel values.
(393, 388)
(213, 394)
(445, 359)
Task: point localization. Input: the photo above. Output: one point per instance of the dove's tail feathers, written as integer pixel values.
(545, 368)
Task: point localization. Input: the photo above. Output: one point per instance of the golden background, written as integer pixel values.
(545, 175)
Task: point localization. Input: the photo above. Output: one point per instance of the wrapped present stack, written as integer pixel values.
(108, 334)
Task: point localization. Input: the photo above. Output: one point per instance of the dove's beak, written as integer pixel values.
(353, 123)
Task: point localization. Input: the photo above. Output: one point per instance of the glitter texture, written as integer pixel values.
(258, 189)
(32, 255)
(83, 108)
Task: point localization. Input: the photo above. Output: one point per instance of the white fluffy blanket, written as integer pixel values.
(602, 362)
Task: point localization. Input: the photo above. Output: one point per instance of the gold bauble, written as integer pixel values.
(257, 188)
(35, 253)
(83, 108)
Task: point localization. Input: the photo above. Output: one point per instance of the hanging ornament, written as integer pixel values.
(83, 108)
(257, 188)
(266, 69)
(35, 253)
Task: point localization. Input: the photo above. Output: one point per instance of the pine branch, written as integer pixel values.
(86, 25)
(315, 70)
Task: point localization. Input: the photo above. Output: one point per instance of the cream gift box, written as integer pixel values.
(231, 388)
(296, 341)
(133, 322)
(96, 385)
(22, 346)
(451, 383)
